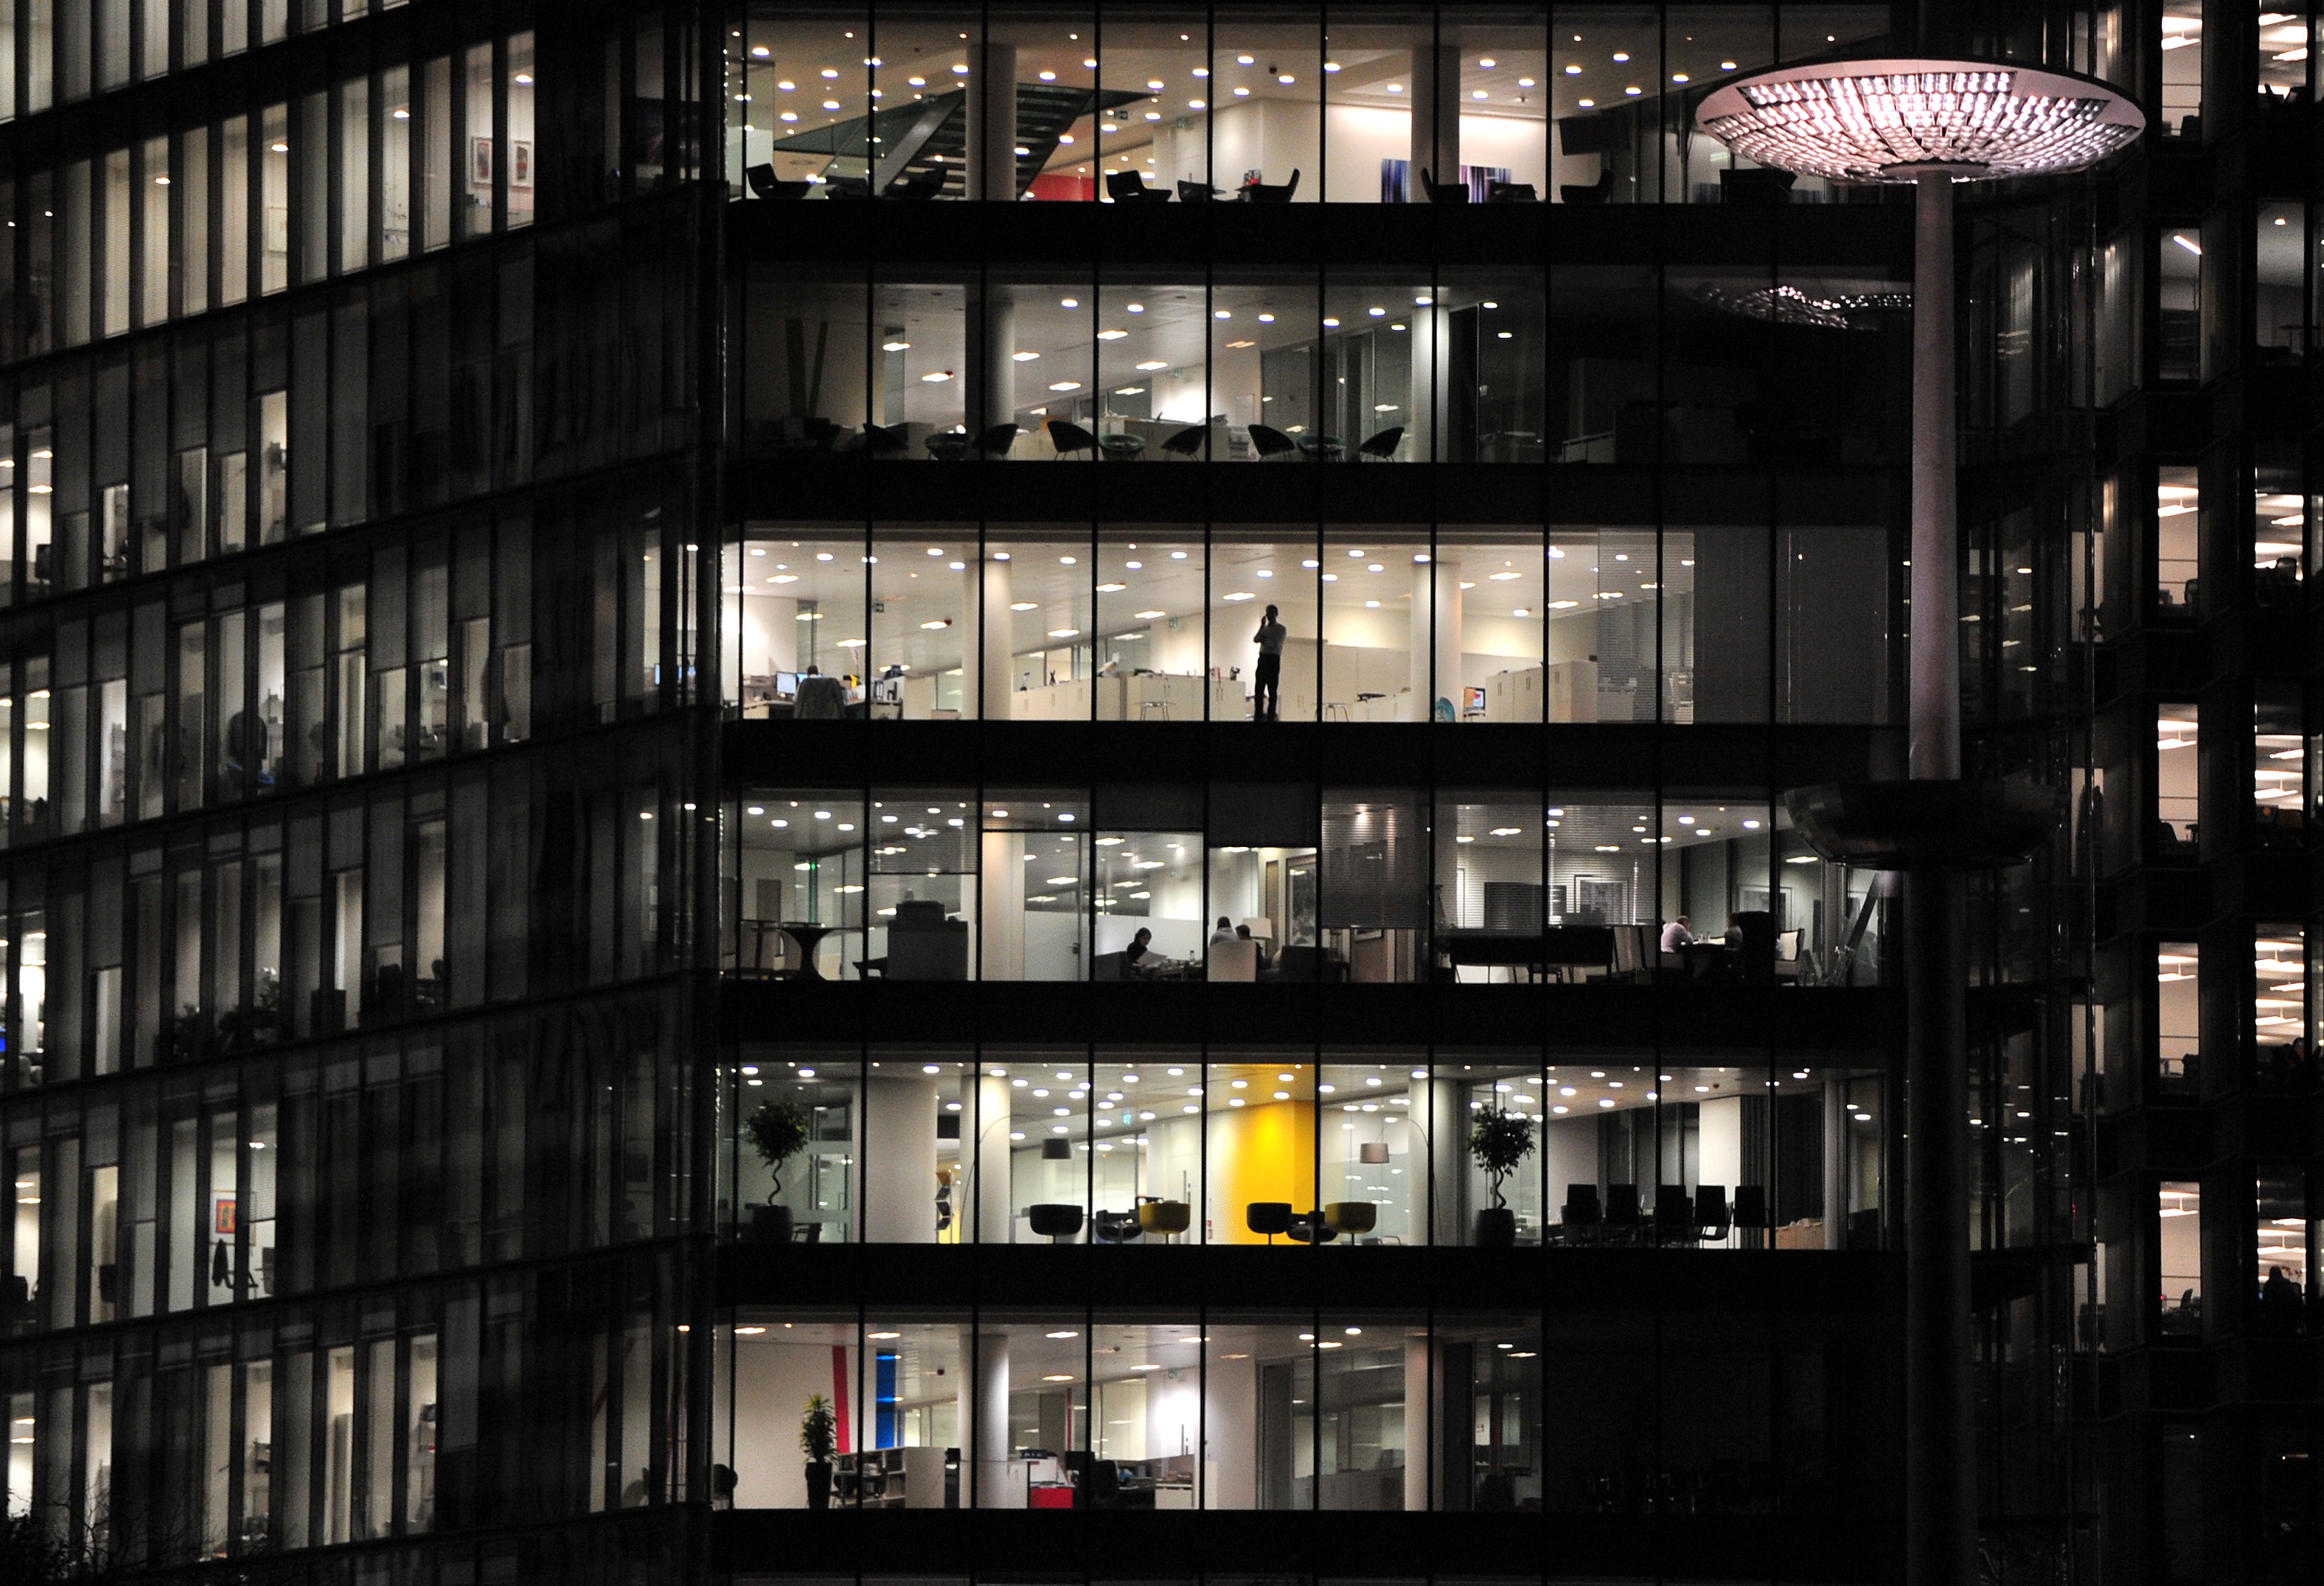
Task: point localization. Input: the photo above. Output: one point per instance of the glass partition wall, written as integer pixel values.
(1163, 1148)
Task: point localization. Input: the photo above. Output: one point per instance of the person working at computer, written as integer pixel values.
(1267, 700)
(1677, 934)
(820, 698)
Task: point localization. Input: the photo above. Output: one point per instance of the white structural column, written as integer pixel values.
(996, 666)
(984, 1409)
(899, 1160)
(1835, 1162)
(1449, 637)
(993, 363)
(1229, 1464)
(992, 124)
(1421, 1385)
(1435, 97)
(1437, 1168)
(1003, 927)
(992, 1190)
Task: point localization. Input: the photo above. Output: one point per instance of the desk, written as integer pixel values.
(1555, 946)
(1711, 960)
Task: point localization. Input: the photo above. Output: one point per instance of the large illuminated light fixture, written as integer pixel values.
(1930, 123)
(1888, 121)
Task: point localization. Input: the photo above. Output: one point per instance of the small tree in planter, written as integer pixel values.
(777, 1132)
(1501, 1140)
(818, 1440)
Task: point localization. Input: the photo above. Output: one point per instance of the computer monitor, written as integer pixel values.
(786, 684)
(1474, 702)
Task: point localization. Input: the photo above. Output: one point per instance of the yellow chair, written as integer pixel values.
(1350, 1218)
(1164, 1217)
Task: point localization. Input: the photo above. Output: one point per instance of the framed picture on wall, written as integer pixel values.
(521, 163)
(225, 1218)
(480, 162)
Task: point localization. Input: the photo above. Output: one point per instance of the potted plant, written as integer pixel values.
(1500, 1141)
(777, 1132)
(818, 1440)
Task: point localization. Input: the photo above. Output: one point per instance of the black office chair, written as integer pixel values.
(1751, 1208)
(1187, 442)
(1260, 192)
(1449, 192)
(1271, 443)
(1623, 1220)
(1128, 186)
(1597, 192)
(1072, 439)
(1116, 1228)
(1196, 192)
(1054, 1223)
(1382, 447)
(1581, 1219)
(1268, 1217)
(765, 184)
(1674, 1215)
(1512, 192)
(996, 441)
(919, 185)
(879, 441)
(1712, 1218)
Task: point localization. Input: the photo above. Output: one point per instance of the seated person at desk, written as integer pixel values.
(1140, 957)
(1225, 932)
(820, 698)
(1242, 934)
(1678, 933)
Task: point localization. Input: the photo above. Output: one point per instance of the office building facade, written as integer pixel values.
(739, 798)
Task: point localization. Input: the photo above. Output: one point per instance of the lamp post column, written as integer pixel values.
(1940, 1459)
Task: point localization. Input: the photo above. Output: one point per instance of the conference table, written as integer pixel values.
(1558, 947)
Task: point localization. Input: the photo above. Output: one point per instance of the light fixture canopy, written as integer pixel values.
(1892, 121)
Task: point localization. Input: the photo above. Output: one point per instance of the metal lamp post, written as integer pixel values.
(1930, 123)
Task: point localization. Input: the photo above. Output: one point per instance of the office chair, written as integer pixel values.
(1382, 447)
(1622, 1218)
(1597, 192)
(1196, 192)
(1187, 442)
(1167, 1218)
(1268, 1217)
(1581, 1218)
(1054, 1223)
(1673, 1214)
(765, 184)
(1450, 192)
(879, 441)
(1128, 186)
(1750, 1209)
(1712, 1220)
(1270, 442)
(1115, 1227)
(996, 441)
(1260, 192)
(921, 185)
(1071, 440)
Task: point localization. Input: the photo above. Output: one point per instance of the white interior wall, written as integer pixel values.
(1720, 1145)
(772, 1384)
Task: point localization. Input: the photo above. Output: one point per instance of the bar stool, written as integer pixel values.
(1268, 1217)
(1054, 1223)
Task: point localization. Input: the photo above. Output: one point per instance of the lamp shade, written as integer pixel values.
(1892, 121)
(1372, 1151)
(1057, 1150)
(1259, 926)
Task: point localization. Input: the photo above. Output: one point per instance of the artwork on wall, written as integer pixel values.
(480, 162)
(520, 165)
